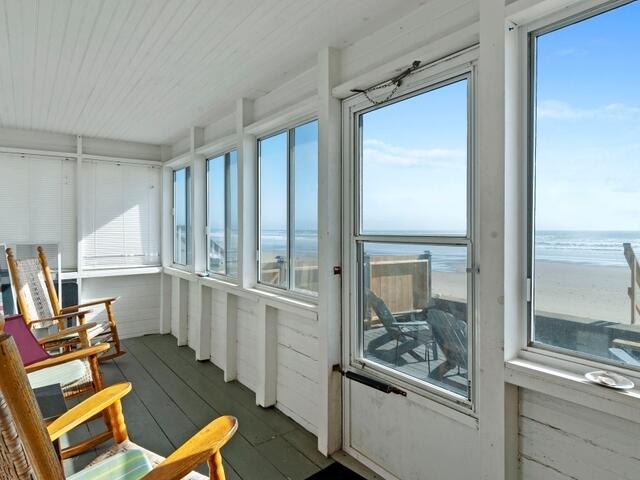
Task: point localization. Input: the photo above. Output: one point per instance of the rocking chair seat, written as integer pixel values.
(66, 374)
(128, 465)
(128, 460)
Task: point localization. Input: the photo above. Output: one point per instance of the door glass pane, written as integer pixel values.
(216, 207)
(587, 193)
(232, 215)
(414, 311)
(305, 204)
(274, 187)
(414, 164)
(181, 234)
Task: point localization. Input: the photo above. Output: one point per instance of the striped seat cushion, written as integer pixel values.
(126, 465)
(65, 374)
(153, 458)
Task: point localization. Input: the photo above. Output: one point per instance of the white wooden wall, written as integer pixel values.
(138, 308)
(561, 440)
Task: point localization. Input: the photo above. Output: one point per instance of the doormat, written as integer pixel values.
(336, 471)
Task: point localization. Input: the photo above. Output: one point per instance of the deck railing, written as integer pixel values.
(634, 289)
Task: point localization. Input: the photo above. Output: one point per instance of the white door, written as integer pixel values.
(408, 192)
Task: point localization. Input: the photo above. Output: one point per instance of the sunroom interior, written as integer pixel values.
(393, 239)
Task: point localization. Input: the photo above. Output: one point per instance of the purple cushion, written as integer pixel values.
(30, 350)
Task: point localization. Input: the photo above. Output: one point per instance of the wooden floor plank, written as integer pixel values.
(307, 444)
(217, 393)
(288, 459)
(273, 418)
(174, 396)
(240, 455)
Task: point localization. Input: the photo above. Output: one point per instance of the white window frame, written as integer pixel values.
(462, 65)
(304, 295)
(189, 265)
(226, 153)
(563, 359)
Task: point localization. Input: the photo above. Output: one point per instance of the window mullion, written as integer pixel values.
(291, 209)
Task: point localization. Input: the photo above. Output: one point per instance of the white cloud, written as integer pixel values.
(558, 110)
(382, 153)
(564, 52)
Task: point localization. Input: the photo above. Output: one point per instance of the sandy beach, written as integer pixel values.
(565, 289)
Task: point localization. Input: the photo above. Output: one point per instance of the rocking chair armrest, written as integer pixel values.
(62, 316)
(60, 334)
(87, 409)
(411, 324)
(91, 303)
(198, 449)
(67, 357)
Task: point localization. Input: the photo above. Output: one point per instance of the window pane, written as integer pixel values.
(414, 318)
(305, 241)
(181, 234)
(414, 164)
(273, 210)
(216, 214)
(587, 195)
(232, 215)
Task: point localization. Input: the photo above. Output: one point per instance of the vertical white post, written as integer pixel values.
(167, 211)
(329, 241)
(230, 312)
(203, 342)
(199, 202)
(179, 305)
(246, 195)
(166, 245)
(515, 285)
(491, 235)
(267, 357)
(165, 303)
(79, 214)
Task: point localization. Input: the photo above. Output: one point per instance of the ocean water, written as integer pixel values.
(588, 248)
(596, 248)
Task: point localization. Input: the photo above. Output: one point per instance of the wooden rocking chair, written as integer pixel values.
(38, 301)
(77, 371)
(27, 452)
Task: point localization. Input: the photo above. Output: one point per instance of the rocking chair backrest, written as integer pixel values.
(35, 291)
(26, 451)
(382, 311)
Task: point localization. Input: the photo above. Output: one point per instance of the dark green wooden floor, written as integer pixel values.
(174, 396)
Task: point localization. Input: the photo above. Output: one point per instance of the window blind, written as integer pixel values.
(121, 215)
(37, 195)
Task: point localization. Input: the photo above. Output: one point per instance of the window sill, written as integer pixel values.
(284, 301)
(567, 382)
(120, 272)
(179, 272)
(274, 299)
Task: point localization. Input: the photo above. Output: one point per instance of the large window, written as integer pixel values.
(222, 214)
(182, 216)
(584, 173)
(121, 212)
(288, 209)
(413, 236)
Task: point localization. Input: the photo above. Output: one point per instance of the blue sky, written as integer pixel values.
(414, 151)
(588, 124)
(273, 178)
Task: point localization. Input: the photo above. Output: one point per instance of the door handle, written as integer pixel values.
(373, 383)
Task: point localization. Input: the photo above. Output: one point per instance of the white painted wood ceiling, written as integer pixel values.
(146, 70)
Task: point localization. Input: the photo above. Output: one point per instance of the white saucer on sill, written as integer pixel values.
(609, 380)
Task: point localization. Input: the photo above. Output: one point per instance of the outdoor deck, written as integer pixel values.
(413, 362)
(174, 396)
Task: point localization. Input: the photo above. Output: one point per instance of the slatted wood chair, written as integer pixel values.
(38, 301)
(26, 450)
(77, 371)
